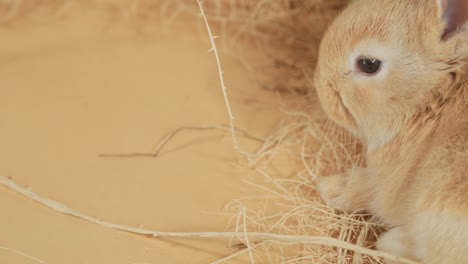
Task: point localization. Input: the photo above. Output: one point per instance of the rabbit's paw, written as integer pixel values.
(395, 242)
(332, 191)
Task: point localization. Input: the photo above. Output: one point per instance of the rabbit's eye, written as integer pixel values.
(368, 65)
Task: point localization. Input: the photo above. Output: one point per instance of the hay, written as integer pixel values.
(290, 224)
(242, 235)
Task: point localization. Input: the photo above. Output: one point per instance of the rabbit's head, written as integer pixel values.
(380, 59)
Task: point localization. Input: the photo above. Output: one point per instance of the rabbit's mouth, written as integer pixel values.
(347, 117)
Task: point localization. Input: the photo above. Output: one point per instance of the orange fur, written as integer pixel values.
(413, 117)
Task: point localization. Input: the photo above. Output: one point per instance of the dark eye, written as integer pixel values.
(368, 65)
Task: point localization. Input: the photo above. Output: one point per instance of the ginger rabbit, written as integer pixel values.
(395, 73)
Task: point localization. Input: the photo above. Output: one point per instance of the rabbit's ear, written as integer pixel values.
(455, 15)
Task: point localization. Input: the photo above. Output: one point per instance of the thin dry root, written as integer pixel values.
(221, 78)
(23, 254)
(167, 138)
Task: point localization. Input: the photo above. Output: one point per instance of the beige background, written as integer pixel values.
(74, 88)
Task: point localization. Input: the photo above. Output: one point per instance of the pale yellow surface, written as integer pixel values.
(78, 87)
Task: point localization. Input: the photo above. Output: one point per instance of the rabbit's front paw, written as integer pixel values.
(395, 242)
(332, 191)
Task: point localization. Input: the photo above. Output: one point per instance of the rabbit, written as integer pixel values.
(395, 74)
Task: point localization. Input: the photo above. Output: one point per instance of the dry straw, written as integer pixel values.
(289, 223)
(296, 239)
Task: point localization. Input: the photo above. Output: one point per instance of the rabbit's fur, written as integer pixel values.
(412, 115)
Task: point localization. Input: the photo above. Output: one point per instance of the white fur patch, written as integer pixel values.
(441, 236)
(392, 242)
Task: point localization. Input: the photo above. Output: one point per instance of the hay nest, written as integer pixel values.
(304, 146)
